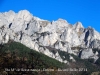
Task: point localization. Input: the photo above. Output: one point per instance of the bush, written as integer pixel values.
(98, 62)
(91, 60)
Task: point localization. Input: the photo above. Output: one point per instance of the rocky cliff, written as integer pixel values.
(43, 36)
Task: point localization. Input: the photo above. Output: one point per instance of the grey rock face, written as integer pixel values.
(86, 53)
(95, 44)
(37, 33)
(91, 35)
(78, 27)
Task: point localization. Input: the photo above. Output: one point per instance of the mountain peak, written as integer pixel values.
(24, 11)
(11, 11)
(77, 26)
(62, 20)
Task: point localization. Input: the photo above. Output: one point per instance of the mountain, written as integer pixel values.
(50, 37)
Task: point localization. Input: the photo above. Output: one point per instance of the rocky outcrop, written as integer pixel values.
(87, 53)
(37, 33)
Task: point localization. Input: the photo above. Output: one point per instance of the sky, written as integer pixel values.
(85, 11)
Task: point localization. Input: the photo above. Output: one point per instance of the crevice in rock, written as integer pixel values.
(10, 25)
(86, 35)
(27, 27)
(21, 34)
(80, 54)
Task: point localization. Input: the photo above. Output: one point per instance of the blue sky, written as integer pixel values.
(85, 11)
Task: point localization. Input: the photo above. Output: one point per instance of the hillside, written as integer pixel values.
(14, 56)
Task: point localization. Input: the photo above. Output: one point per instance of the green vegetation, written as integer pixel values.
(86, 63)
(64, 55)
(16, 55)
(98, 62)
